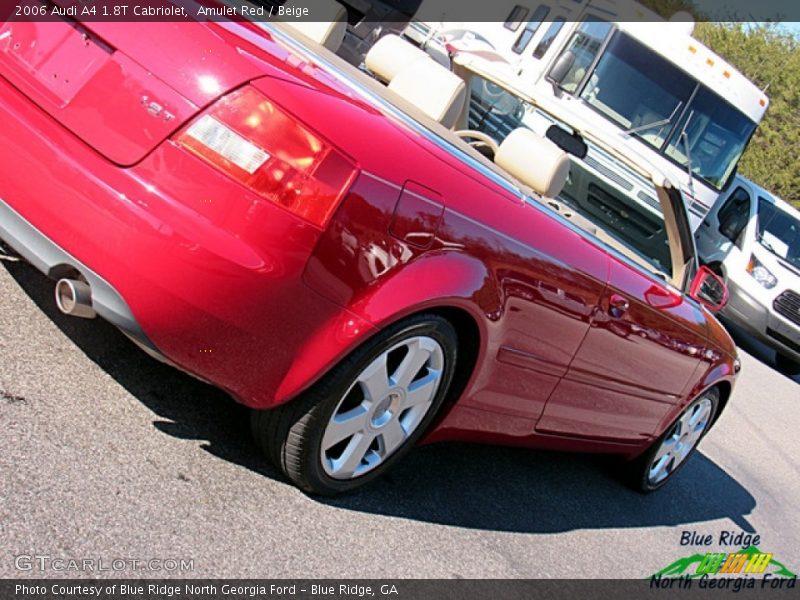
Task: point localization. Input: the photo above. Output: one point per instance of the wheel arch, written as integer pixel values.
(725, 391)
(452, 284)
(714, 378)
(347, 333)
(725, 388)
(469, 350)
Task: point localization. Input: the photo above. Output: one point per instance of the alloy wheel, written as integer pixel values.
(680, 442)
(385, 404)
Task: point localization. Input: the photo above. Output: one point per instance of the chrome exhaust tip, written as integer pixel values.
(74, 298)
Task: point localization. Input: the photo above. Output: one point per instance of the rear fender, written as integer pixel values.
(327, 346)
(437, 279)
(431, 282)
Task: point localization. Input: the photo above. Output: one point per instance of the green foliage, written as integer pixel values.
(770, 58)
(667, 8)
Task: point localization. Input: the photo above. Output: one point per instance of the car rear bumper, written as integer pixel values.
(187, 263)
(761, 321)
(53, 261)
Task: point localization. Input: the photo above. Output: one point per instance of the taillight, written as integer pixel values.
(249, 138)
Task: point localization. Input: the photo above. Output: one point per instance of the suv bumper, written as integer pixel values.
(762, 321)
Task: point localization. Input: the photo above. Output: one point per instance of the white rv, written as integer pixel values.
(643, 85)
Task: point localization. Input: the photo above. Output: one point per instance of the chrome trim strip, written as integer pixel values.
(602, 382)
(529, 361)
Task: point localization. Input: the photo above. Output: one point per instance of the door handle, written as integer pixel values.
(618, 305)
(706, 223)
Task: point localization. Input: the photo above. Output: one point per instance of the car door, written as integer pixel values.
(548, 280)
(636, 361)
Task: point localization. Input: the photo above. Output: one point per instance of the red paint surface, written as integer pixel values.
(260, 302)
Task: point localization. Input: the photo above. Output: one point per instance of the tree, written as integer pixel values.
(770, 58)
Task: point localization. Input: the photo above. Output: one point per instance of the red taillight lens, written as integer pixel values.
(256, 143)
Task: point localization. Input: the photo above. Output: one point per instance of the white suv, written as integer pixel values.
(752, 239)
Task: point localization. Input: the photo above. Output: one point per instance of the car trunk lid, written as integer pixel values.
(122, 89)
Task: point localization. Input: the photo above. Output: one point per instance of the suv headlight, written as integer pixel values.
(761, 274)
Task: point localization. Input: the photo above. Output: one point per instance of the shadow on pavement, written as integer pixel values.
(518, 490)
(463, 485)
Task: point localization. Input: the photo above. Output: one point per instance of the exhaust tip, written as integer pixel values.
(74, 298)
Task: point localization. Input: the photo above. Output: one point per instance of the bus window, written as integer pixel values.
(515, 19)
(530, 29)
(584, 46)
(712, 137)
(548, 38)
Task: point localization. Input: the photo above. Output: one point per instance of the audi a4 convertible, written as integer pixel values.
(335, 248)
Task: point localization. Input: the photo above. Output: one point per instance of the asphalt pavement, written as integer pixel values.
(107, 455)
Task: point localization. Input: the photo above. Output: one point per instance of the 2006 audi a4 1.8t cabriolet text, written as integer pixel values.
(320, 242)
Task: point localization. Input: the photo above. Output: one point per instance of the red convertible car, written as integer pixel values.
(326, 244)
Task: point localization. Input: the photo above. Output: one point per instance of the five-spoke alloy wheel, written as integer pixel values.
(366, 412)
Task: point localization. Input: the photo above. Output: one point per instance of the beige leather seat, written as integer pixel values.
(535, 161)
(390, 55)
(431, 88)
(329, 30)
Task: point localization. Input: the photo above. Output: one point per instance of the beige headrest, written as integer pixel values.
(433, 89)
(535, 161)
(329, 30)
(390, 55)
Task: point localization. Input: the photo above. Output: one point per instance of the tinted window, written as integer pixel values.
(584, 46)
(779, 232)
(530, 29)
(493, 110)
(711, 137)
(549, 36)
(734, 214)
(497, 111)
(638, 89)
(655, 100)
(515, 19)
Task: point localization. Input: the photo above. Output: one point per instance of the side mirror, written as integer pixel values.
(709, 289)
(561, 67)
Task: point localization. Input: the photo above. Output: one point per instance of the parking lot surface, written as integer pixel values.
(106, 454)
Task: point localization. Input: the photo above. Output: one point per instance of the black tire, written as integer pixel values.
(787, 365)
(640, 468)
(291, 435)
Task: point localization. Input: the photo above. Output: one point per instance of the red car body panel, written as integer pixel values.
(261, 303)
